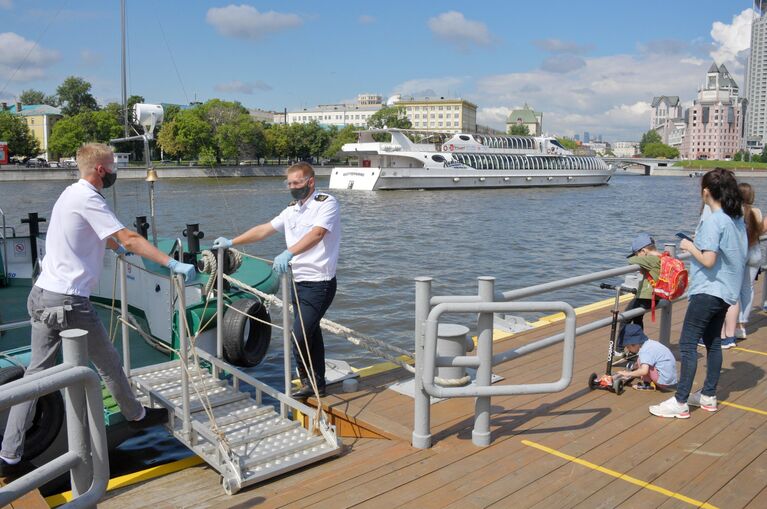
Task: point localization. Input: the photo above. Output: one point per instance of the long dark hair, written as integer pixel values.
(723, 187)
(753, 226)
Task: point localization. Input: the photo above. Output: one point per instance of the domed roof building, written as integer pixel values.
(528, 117)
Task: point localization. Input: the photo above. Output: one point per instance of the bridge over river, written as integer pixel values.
(650, 165)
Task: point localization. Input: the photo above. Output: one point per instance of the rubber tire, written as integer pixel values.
(618, 386)
(239, 350)
(49, 417)
(593, 381)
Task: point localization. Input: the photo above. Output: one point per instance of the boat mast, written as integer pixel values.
(124, 80)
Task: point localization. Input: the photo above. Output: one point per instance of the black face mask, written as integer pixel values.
(299, 193)
(108, 179)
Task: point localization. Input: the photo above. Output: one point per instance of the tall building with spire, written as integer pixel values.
(755, 134)
(715, 120)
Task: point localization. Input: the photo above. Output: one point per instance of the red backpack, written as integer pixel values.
(672, 280)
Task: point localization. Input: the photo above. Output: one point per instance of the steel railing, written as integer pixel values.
(87, 457)
(429, 308)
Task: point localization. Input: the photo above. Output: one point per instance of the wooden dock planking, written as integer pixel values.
(616, 432)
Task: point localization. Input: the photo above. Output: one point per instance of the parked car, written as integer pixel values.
(36, 162)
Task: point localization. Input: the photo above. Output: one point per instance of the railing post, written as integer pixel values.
(219, 309)
(124, 312)
(480, 435)
(421, 412)
(183, 355)
(74, 343)
(664, 329)
(286, 339)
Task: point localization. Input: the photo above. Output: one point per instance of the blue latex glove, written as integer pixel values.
(281, 261)
(120, 250)
(222, 242)
(182, 268)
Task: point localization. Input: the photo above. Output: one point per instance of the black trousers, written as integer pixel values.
(314, 299)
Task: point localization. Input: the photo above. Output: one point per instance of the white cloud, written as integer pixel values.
(431, 87)
(366, 19)
(693, 61)
(562, 63)
(560, 46)
(246, 22)
(453, 27)
(22, 59)
(241, 87)
(6, 4)
(732, 40)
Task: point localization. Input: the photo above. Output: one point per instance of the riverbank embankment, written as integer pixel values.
(17, 174)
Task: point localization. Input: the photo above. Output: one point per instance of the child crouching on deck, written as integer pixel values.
(655, 365)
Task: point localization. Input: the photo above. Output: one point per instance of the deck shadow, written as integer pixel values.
(735, 381)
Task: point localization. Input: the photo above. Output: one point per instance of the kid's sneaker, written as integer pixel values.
(728, 343)
(644, 386)
(671, 408)
(707, 403)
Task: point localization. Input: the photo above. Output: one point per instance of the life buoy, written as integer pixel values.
(246, 340)
(452, 147)
(48, 419)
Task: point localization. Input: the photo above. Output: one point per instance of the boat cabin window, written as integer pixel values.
(438, 158)
(556, 144)
(464, 137)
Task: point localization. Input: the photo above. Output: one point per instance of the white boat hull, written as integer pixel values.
(372, 179)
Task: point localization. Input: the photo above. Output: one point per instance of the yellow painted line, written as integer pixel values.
(742, 407)
(749, 351)
(642, 484)
(129, 479)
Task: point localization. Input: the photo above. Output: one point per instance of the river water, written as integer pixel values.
(522, 237)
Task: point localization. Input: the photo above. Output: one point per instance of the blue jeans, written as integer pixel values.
(704, 319)
(314, 298)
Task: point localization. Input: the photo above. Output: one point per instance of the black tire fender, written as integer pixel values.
(48, 419)
(246, 340)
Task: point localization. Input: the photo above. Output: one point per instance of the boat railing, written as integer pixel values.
(87, 457)
(5, 244)
(429, 308)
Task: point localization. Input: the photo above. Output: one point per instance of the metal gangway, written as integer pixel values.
(213, 414)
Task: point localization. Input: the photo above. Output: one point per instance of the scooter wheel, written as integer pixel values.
(618, 385)
(593, 381)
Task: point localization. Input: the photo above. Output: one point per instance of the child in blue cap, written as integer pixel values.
(655, 365)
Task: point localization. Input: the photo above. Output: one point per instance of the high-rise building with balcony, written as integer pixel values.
(755, 134)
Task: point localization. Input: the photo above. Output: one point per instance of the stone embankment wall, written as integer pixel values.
(17, 174)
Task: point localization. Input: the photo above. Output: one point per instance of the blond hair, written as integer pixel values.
(304, 167)
(91, 155)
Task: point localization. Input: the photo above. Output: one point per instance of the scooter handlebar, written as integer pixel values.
(623, 289)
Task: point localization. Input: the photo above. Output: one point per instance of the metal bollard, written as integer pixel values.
(74, 346)
(421, 437)
(480, 435)
(451, 342)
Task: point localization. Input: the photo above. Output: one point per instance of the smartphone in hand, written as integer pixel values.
(684, 236)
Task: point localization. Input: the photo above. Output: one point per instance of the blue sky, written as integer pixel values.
(588, 65)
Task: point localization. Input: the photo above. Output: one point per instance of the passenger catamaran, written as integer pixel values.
(463, 161)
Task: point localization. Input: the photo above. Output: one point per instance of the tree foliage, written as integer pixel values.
(568, 143)
(75, 96)
(71, 132)
(649, 137)
(32, 96)
(389, 116)
(338, 139)
(660, 150)
(14, 130)
(519, 130)
(186, 134)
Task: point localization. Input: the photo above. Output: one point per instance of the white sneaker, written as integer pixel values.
(740, 333)
(671, 408)
(707, 403)
(728, 343)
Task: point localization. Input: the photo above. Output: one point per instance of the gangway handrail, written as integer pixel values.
(5, 245)
(87, 456)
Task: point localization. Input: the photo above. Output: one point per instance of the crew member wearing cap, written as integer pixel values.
(655, 365)
(81, 227)
(312, 227)
(644, 254)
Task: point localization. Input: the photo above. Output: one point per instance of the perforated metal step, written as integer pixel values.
(245, 441)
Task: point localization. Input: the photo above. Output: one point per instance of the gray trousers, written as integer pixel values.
(51, 313)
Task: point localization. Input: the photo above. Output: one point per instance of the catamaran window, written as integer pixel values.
(556, 143)
(438, 158)
(496, 164)
(464, 137)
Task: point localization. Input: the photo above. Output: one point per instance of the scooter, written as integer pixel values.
(608, 382)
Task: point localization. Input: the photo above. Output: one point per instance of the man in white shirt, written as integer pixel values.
(81, 227)
(312, 228)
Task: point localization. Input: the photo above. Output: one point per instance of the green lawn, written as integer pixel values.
(734, 165)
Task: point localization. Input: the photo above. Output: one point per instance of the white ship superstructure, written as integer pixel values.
(447, 161)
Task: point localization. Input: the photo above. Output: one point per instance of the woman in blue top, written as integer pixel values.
(716, 274)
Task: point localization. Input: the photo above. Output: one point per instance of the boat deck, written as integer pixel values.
(578, 448)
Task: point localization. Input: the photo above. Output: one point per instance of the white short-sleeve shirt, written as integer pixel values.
(321, 209)
(76, 239)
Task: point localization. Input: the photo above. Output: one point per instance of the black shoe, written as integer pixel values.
(153, 417)
(307, 391)
(16, 470)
